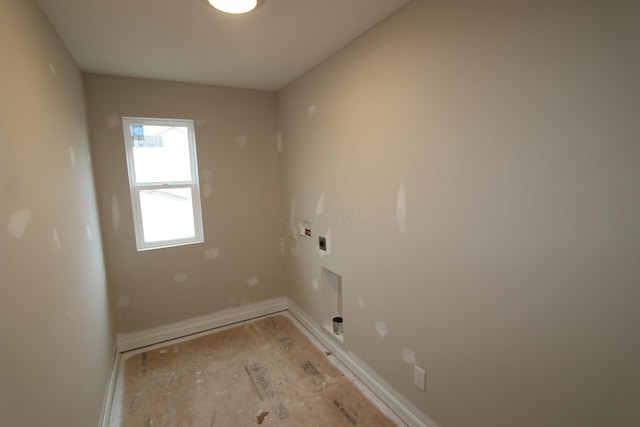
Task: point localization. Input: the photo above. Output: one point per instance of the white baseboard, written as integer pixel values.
(111, 387)
(133, 340)
(408, 412)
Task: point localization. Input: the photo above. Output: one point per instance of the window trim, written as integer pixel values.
(135, 189)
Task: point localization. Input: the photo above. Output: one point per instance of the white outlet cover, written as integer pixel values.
(420, 378)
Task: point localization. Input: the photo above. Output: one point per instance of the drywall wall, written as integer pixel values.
(56, 336)
(475, 167)
(239, 262)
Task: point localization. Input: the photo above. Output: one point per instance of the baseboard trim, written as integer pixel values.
(408, 412)
(394, 400)
(134, 340)
(111, 387)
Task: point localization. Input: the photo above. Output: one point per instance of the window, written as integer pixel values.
(163, 179)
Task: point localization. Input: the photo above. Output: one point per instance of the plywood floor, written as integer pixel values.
(265, 372)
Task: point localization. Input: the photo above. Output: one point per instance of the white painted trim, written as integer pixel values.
(133, 340)
(111, 387)
(402, 407)
(136, 188)
(407, 411)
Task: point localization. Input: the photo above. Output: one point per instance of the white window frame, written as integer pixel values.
(136, 188)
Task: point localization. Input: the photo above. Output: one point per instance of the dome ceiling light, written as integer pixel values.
(236, 6)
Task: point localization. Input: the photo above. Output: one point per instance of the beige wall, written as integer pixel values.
(56, 339)
(239, 190)
(475, 167)
(479, 163)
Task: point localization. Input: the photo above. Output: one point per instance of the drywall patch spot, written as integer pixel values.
(241, 141)
(180, 277)
(56, 244)
(381, 327)
(72, 156)
(123, 302)
(115, 214)
(320, 205)
(312, 110)
(279, 142)
(200, 122)
(113, 121)
(361, 304)
(408, 355)
(89, 233)
(211, 253)
(401, 209)
(295, 250)
(52, 69)
(315, 284)
(253, 281)
(18, 223)
(207, 183)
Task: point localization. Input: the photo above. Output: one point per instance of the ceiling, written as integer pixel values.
(189, 41)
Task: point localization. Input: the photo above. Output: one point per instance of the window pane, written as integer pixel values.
(167, 214)
(160, 153)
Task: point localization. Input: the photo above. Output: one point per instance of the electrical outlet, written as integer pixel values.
(323, 243)
(419, 378)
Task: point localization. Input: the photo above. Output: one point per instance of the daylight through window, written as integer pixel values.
(163, 179)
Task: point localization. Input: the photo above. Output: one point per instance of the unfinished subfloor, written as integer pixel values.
(264, 372)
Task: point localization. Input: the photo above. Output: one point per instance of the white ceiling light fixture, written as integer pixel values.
(235, 6)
